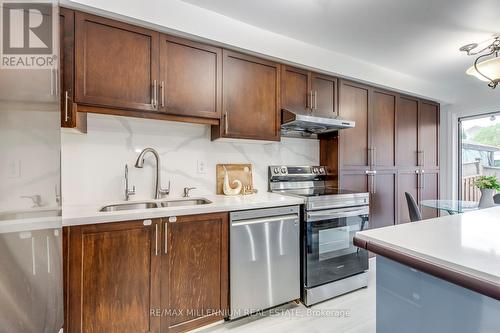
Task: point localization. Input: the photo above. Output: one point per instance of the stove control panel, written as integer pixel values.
(297, 171)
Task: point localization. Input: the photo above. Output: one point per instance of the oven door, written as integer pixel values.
(329, 253)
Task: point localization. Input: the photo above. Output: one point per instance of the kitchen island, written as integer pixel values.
(438, 275)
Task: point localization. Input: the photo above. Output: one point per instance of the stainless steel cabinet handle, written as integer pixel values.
(66, 97)
(154, 97)
(166, 237)
(374, 187)
(56, 80)
(374, 156)
(422, 174)
(226, 126)
(315, 100)
(156, 239)
(162, 92)
(311, 99)
(48, 255)
(51, 82)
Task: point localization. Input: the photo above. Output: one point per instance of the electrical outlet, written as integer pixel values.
(201, 167)
(14, 169)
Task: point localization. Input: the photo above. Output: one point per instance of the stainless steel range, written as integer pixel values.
(330, 264)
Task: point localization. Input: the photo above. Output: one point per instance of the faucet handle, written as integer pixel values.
(37, 199)
(165, 191)
(186, 191)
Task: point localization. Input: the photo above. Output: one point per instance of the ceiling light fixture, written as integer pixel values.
(485, 70)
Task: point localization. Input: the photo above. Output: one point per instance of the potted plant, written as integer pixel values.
(488, 186)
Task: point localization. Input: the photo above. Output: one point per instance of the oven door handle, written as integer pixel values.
(332, 214)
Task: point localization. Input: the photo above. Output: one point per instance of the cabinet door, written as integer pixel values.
(113, 277)
(325, 95)
(354, 181)
(382, 200)
(190, 78)
(195, 274)
(429, 135)
(66, 47)
(251, 99)
(407, 132)
(383, 152)
(295, 92)
(116, 64)
(429, 189)
(407, 182)
(354, 102)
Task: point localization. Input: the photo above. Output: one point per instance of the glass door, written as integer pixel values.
(479, 155)
(329, 251)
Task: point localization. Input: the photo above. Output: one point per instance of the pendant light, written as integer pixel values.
(487, 70)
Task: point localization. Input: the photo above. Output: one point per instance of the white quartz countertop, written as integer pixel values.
(467, 244)
(89, 214)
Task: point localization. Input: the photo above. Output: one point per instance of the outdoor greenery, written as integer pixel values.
(489, 135)
(487, 182)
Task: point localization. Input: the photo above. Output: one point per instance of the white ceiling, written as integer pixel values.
(420, 38)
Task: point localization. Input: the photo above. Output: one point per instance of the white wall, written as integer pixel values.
(93, 163)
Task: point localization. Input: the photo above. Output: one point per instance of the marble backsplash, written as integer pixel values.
(93, 163)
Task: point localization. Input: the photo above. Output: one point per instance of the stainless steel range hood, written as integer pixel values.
(305, 124)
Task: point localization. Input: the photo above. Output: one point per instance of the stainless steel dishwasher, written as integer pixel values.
(264, 259)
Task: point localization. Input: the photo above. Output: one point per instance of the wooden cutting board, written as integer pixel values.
(242, 172)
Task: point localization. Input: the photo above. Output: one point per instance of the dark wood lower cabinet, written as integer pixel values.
(429, 188)
(408, 181)
(146, 276)
(112, 277)
(195, 272)
(382, 199)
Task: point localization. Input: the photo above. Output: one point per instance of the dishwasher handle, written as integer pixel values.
(266, 220)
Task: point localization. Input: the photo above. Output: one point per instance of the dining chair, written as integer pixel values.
(496, 198)
(415, 214)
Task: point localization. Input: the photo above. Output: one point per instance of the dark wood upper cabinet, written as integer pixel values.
(305, 91)
(116, 64)
(113, 279)
(383, 120)
(324, 90)
(354, 104)
(66, 62)
(195, 271)
(429, 135)
(295, 89)
(251, 98)
(407, 132)
(190, 78)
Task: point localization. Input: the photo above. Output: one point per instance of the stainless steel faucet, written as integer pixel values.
(140, 164)
(128, 192)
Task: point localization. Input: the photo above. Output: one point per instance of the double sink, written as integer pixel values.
(154, 204)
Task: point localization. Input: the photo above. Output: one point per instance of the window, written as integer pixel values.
(479, 152)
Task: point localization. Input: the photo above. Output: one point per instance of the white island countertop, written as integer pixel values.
(463, 248)
(89, 214)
